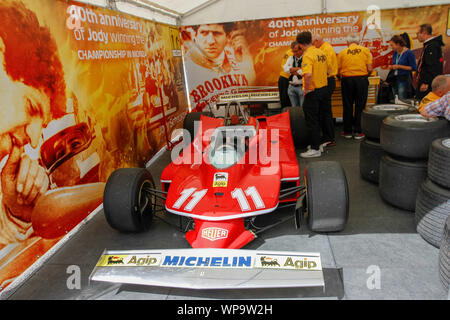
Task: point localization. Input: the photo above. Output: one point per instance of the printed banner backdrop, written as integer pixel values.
(221, 58)
(83, 91)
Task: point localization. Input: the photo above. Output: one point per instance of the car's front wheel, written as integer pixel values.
(127, 204)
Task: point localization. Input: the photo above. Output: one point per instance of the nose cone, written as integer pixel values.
(230, 234)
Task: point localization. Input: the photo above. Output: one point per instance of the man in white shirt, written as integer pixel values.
(293, 67)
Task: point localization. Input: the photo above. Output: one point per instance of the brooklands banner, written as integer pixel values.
(222, 58)
(83, 91)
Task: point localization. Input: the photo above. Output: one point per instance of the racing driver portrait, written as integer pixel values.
(217, 57)
(32, 90)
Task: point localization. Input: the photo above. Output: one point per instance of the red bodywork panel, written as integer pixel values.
(219, 199)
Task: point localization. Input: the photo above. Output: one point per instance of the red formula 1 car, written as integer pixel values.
(228, 176)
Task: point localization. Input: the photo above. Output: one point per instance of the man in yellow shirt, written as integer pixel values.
(327, 123)
(355, 65)
(315, 66)
(283, 80)
(439, 87)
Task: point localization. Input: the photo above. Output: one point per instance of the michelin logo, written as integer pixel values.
(207, 261)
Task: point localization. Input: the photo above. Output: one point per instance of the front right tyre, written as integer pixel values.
(127, 204)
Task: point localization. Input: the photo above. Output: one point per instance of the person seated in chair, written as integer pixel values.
(439, 87)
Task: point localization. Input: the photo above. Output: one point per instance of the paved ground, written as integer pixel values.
(378, 237)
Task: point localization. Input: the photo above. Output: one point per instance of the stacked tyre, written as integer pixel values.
(444, 256)
(371, 152)
(433, 198)
(406, 139)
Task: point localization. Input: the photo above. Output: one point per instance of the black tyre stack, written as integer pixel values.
(433, 197)
(406, 139)
(371, 152)
(444, 256)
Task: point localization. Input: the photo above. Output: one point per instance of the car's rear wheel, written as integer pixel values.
(127, 204)
(299, 129)
(189, 124)
(327, 196)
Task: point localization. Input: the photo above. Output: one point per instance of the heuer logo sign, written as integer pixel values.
(213, 234)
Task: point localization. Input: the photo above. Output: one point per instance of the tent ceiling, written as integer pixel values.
(181, 7)
(166, 11)
(178, 8)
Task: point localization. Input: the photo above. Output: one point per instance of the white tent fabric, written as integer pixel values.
(192, 12)
(238, 10)
(165, 11)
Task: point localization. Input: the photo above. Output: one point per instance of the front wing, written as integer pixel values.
(210, 268)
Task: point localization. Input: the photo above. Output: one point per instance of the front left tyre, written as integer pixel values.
(127, 204)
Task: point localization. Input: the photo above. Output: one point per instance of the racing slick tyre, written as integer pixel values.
(400, 180)
(298, 127)
(439, 162)
(410, 135)
(372, 117)
(327, 196)
(127, 205)
(370, 153)
(432, 210)
(189, 123)
(444, 256)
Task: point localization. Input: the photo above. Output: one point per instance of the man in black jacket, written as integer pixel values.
(431, 61)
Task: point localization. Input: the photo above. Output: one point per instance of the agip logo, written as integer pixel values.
(354, 52)
(214, 234)
(113, 260)
(220, 180)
